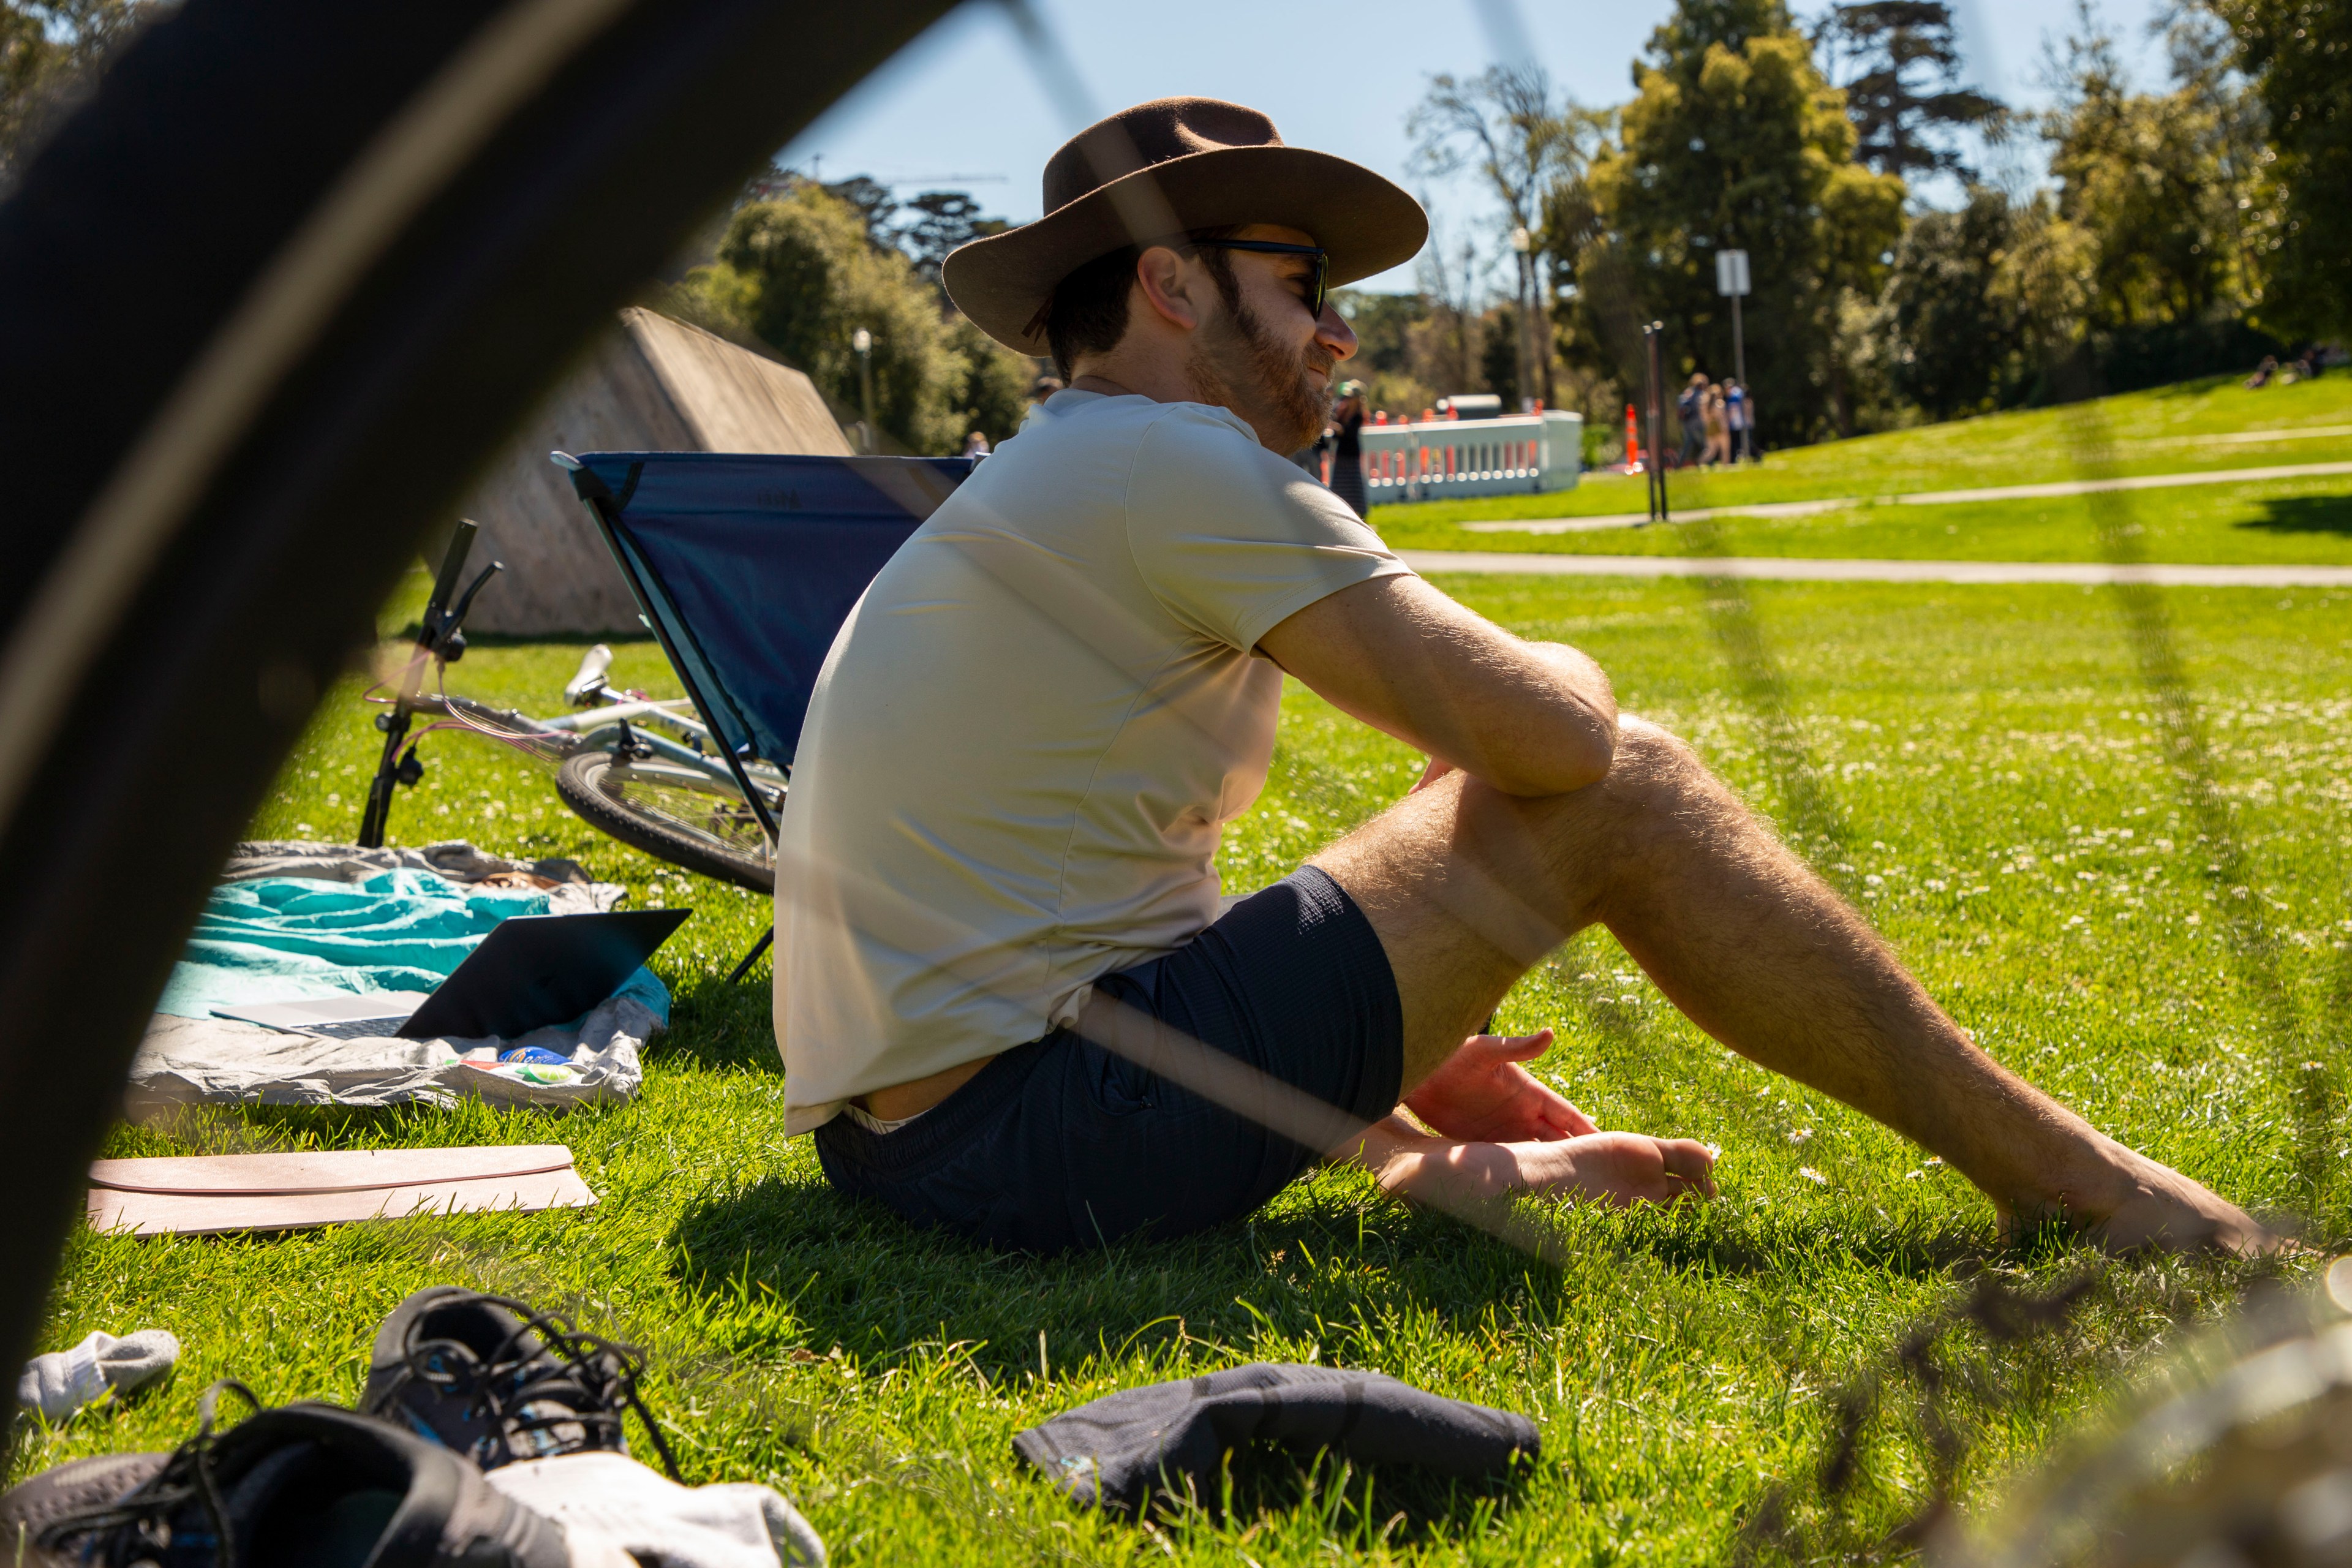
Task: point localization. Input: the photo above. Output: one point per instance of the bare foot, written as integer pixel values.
(2129, 1201)
(1615, 1168)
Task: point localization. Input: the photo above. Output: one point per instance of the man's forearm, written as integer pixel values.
(1587, 685)
(1569, 736)
(1529, 718)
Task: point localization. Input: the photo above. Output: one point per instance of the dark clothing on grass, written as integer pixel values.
(1117, 1450)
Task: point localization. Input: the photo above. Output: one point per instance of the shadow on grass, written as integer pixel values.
(715, 1024)
(789, 1265)
(1329, 1268)
(1363, 1506)
(2305, 514)
(850, 1273)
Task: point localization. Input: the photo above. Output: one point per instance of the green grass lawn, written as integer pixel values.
(2198, 426)
(1996, 801)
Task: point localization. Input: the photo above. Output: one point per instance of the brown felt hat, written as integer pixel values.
(1158, 169)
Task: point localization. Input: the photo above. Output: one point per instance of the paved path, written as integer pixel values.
(1797, 569)
(1923, 498)
(2239, 437)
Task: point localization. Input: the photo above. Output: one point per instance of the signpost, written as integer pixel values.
(1731, 280)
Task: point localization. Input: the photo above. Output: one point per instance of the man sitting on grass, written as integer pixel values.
(1000, 959)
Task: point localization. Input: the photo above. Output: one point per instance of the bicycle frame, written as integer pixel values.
(603, 729)
(606, 728)
(445, 611)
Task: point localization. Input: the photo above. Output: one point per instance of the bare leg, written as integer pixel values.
(1469, 887)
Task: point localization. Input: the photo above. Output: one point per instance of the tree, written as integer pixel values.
(2157, 180)
(1900, 68)
(2047, 283)
(1506, 123)
(941, 221)
(2299, 54)
(874, 201)
(1500, 356)
(49, 51)
(994, 397)
(1443, 346)
(1735, 141)
(2204, 62)
(802, 274)
(924, 228)
(1947, 329)
(1385, 326)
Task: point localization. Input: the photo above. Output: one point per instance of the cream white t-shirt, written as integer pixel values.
(1030, 733)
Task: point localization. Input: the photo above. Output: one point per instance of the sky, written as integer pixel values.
(965, 108)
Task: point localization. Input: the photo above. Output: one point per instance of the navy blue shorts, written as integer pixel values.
(1059, 1143)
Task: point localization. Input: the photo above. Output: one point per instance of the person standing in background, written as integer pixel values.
(1687, 408)
(1718, 429)
(1348, 446)
(1735, 420)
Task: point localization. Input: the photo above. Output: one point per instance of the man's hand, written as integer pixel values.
(1483, 1094)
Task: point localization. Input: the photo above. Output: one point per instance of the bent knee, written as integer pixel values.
(1652, 774)
(1653, 767)
(1645, 748)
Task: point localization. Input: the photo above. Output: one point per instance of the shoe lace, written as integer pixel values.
(139, 1520)
(524, 1391)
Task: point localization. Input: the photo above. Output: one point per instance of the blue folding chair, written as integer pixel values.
(744, 568)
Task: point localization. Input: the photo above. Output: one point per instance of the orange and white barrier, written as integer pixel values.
(1518, 453)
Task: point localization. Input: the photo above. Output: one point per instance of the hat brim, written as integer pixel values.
(1365, 222)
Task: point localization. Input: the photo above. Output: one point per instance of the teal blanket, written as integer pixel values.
(280, 939)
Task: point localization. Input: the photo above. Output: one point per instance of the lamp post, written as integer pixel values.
(1657, 468)
(863, 341)
(1522, 245)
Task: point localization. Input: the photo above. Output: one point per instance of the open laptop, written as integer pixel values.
(530, 971)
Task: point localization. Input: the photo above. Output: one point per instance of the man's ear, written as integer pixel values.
(1169, 285)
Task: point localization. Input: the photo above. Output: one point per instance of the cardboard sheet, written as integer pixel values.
(204, 1194)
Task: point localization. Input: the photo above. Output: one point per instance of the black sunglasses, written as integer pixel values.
(1322, 259)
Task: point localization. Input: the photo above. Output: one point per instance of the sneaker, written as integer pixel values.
(305, 1484)
(489, 1378)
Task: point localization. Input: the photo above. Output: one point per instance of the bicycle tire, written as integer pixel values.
(394, 225)
(588, 783)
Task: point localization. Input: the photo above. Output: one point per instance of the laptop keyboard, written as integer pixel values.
(358, 1029)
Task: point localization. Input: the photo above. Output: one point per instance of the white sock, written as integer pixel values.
(62, 1382)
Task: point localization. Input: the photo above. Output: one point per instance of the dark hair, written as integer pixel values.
(1087, 312)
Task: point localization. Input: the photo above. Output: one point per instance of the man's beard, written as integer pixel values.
(1235, 363)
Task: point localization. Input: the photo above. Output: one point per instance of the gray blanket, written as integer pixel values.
(185, 1061)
